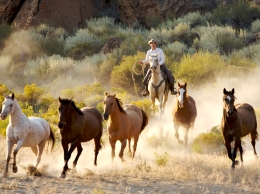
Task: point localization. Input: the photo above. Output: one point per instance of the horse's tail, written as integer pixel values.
(254, 133)
(145, 120)
(51, 138)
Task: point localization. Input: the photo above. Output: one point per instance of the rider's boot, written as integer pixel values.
(173, 90)
(145, 91)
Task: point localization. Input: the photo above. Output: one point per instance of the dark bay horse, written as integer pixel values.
(76, 126)
(123, 124)
(184, 112)
(237, 121)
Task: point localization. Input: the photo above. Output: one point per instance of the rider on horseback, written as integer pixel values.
(170, 78)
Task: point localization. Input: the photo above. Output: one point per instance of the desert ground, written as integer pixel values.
(184, 172)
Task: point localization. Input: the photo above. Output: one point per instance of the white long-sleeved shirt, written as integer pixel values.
(161, 58)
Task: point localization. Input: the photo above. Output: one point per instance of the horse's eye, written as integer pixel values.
(111, 103)
(10, 105)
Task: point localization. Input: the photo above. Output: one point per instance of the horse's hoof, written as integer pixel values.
(236, 162)
(15, 169)
(62, 176)
(5, 175)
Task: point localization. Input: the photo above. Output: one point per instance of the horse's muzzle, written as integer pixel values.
(105, 116)
(229, 113)
(3, 116)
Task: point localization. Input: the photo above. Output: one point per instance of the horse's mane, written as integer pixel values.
(68, 101)
(119, 103)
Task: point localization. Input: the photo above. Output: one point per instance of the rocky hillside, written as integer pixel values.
(71, 14)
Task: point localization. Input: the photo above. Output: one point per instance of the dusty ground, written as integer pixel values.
(184, 172)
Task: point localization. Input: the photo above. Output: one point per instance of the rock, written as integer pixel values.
(112, 43)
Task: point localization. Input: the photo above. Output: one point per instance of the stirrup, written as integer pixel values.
(145, 93)
(173, 92)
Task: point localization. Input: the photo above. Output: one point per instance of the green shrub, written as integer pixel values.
(161, 139)
(121, 76)
(209, 142)
(5, 31)
(255, 27)
(239, 15)
(147, 106)
(161, 159)
(200, 68)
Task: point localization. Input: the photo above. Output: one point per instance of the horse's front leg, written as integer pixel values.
(65, 146)
(9, 146)
(234, 151)
(68, 155)
(161, 105)
(187, 127)
(18, 146)
(113, 147)
(79, 149)
(123, 145)
(176, 128)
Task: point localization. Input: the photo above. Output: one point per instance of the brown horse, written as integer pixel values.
(76, 126)
(184, 112)
(123, 124)
(238, 121)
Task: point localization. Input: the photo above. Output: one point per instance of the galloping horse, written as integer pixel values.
(76, 126)
(157, 85)
(237, 121)
(31, 132)
(184, 112)
(123, 124)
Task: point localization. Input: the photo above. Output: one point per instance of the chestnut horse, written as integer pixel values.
(237, 121)
(123, 124)
(184, 112)
(76, 126)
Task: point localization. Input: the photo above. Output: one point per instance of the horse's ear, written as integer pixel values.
(12, 96)
(224, 91)
(106, 93)
(233, 91)
(114, 94)
(179, 84)
(185, 84)
(59, 99)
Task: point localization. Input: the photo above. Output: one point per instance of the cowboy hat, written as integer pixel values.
(152, 40)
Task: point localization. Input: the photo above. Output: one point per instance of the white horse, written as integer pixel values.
(31, 132)
(157, 85)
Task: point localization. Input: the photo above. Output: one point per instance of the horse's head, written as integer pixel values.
(7, 106)
(153, 59)
(229, 100)
(64, 112)
(181, 94)
(109, 105)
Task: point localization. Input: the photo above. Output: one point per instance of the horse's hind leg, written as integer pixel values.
(97, 147)
(135, 144)
(253, 135)
(34, 150)
(40, 151)
(129, 147)
(241, 152)
(79, 149)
